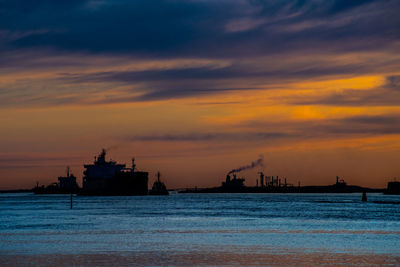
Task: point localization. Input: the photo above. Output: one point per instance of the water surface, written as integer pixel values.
(200, 229)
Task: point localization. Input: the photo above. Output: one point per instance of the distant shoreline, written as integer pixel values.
(335, 188)
(250, 190)
(16, 191)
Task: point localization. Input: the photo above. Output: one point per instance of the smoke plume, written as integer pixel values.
(258, 162)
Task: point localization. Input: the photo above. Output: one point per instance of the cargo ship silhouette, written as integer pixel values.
(105, 178)
(109, 178)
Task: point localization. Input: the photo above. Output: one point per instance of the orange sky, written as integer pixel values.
(195, 141)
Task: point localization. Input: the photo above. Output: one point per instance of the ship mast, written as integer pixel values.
(133, 165)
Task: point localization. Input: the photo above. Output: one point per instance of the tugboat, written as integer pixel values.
(159, 187)
(393, 188)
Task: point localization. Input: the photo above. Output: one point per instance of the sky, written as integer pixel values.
(196, 88)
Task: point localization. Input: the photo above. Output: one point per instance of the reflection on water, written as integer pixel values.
(204, 229)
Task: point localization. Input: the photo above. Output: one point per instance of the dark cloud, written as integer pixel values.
(354, 98)
(108, 26)
(362, 125)
(197, 28)
(260, 40)
(374, 120)
(180, 74)
(174, 91)
(236, 71)
(354, 126)
(393, 82)
(181, 82)
(220, 136)
(32, 160)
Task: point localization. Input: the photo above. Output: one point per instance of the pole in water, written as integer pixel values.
(364, 197)
(71, 200)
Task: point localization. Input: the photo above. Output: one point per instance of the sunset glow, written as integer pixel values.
(195, 88)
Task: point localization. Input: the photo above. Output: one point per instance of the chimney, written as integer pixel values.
(262, 179)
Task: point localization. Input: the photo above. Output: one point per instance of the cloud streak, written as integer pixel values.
(290, 131)
(386, 95)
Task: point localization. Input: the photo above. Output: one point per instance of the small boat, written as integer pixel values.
(159, 187)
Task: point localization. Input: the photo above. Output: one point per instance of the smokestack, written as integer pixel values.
(228, 178)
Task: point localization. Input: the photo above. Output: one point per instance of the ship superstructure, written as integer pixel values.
(235, 183)
(66, 185)
(110, 178)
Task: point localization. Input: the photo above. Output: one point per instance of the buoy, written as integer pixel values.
(364, 197)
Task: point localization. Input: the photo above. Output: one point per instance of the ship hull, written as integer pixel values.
(122, 184)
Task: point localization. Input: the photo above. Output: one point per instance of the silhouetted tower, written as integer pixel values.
(133, 165)
(261, 179)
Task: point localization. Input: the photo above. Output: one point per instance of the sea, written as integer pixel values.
(200, 230)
